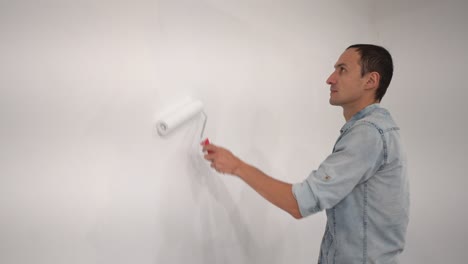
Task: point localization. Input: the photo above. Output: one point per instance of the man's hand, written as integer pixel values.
(222, 160)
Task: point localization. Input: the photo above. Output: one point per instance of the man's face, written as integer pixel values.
(346, 83)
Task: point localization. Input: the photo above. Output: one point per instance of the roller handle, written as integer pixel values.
(206, 142)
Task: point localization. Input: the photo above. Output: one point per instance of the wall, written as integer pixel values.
(85, 179)
(428, 40)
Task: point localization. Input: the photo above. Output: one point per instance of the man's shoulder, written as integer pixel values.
(380, 119)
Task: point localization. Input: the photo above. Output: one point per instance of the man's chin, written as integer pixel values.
(332, 102)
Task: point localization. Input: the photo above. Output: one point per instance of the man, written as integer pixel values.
(362, 185)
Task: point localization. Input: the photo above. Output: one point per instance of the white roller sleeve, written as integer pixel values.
(179, 116)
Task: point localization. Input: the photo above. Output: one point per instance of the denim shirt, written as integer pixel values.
(364, 189)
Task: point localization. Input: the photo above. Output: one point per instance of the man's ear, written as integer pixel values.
(373, 80)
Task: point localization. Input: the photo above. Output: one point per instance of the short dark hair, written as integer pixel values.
(376, 59)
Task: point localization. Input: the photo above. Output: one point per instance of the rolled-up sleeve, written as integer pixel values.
(358, 154)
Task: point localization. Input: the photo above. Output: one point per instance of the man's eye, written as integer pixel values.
(342, 69)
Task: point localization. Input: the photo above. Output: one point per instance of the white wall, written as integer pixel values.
(428, 97)
(84, 178)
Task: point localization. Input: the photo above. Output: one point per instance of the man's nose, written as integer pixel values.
(331, 79)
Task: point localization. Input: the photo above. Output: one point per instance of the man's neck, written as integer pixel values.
(350, 110)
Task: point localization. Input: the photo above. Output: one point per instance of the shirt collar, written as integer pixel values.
(359, 115)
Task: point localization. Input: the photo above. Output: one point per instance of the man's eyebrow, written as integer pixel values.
(340, 65)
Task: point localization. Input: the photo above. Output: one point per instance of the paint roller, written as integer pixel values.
(181, 114)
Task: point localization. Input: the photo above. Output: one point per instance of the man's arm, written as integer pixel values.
(277, 192)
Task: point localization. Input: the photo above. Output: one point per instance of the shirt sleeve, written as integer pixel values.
(356, 157)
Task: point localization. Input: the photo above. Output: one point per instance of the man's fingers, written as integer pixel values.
(212, 151)
(210, 148)
(209, 157)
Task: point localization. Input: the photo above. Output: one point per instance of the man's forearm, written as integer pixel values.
(277, 192)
